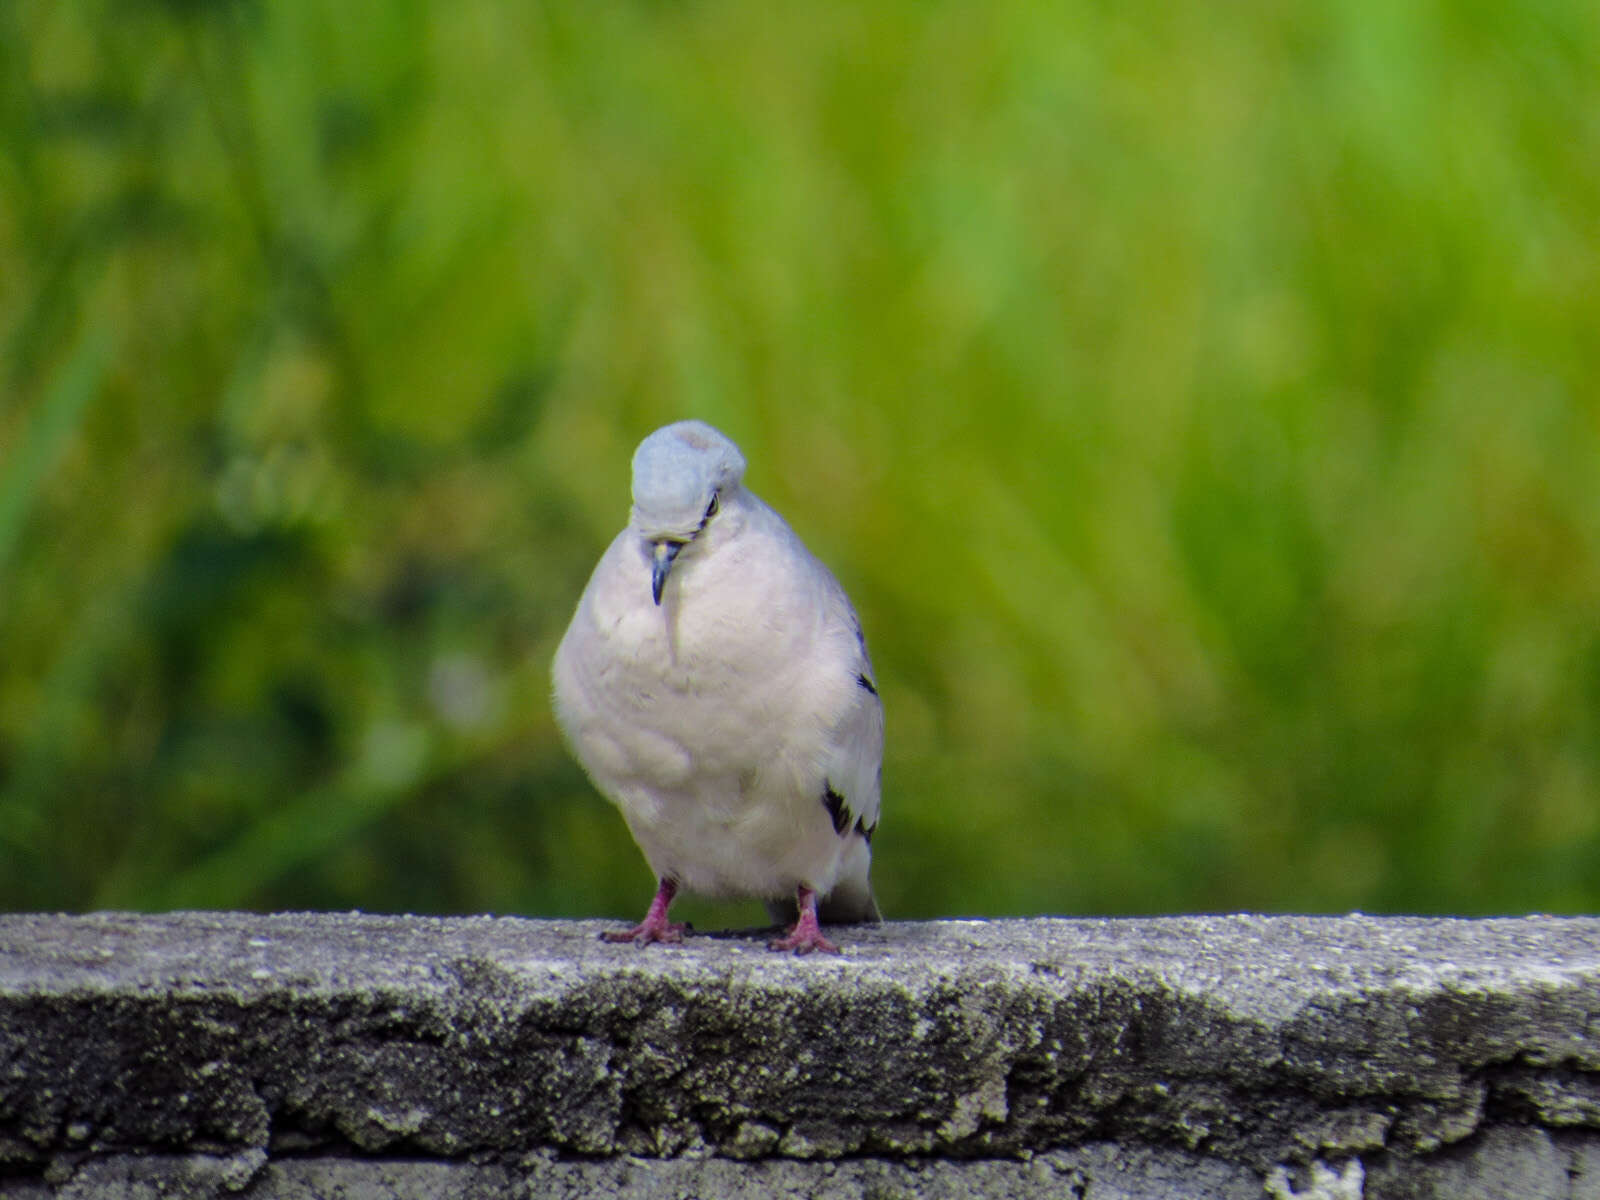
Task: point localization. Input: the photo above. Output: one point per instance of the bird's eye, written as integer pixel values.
(711, 509)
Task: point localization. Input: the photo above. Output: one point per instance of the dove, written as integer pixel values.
(715, 685)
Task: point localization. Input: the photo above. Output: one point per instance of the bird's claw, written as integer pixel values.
(642, 934)
(803, 941)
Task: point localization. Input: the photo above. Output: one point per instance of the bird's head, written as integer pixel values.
(682, 474)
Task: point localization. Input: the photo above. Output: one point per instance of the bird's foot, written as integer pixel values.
(647, 931)
(655, 927)
(804, 941)
(806, 935)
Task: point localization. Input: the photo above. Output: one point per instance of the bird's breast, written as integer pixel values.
(719, 665)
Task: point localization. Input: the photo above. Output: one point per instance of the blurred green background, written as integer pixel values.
(1201, 405)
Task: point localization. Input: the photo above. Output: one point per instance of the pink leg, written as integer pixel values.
(806, 935)
(655, 927)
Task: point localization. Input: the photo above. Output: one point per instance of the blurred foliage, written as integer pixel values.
(1203, 409)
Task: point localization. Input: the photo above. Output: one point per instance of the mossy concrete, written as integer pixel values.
(1345, 1058)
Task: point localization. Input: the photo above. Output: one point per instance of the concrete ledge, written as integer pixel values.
(1348, 1058)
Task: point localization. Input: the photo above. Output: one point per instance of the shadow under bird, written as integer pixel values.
(715, 685)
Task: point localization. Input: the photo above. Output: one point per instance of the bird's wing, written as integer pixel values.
(853, 762)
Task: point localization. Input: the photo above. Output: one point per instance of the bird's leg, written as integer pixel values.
(655, 927)
(806, 935)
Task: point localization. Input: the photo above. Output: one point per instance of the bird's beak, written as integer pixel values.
(665, 552)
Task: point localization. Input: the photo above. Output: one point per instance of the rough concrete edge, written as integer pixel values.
(234, 1172)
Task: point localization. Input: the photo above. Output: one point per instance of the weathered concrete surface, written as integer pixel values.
(200, 1055)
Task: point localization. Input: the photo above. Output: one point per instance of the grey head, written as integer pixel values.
(681, 475)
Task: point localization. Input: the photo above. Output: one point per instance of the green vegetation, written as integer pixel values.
(1202, 406)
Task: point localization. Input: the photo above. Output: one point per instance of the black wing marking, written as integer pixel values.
(834, 803)
(863, 681)
(839, 813)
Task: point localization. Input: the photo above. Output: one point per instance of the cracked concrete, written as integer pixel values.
(207, 1054)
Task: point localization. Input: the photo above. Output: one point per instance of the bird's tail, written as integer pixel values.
(856, 908)
(849, 903)
(835, 908)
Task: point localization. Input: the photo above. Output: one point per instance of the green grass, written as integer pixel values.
(1203, 412)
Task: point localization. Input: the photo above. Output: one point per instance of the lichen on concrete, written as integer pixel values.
(239, 1053)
